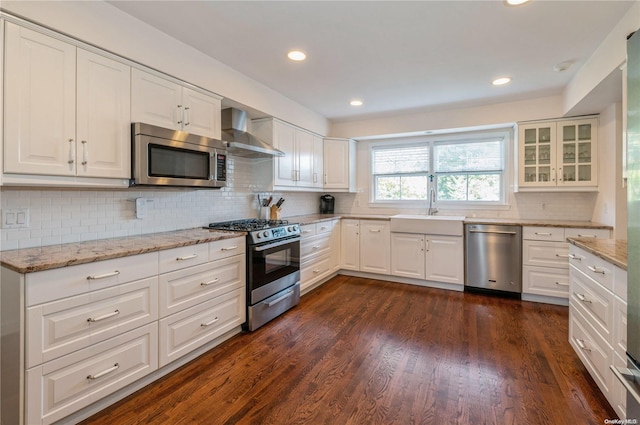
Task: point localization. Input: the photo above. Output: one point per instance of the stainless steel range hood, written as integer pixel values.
(241, 143)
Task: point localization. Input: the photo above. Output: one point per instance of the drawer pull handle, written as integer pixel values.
(316, 247)
(229, 248)
(279, 299)
(211, 282)
(103, 276)
(563, 256)
(317, 271)
(586, 236)
(596, 270)
(582, 298)
(562, 284)
(103, 317)
(323, 228)
(374, 230)
(583, 347)
(187, 257)
(306, 231)
(543, 234)
(104, 372)
(204, 325)
(575, 257)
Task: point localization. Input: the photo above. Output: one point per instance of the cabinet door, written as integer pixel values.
(537, 155)
(284, 138)
(336, 164)
(318, 162)
(104, 117)
(407, 255)
(40, 103)
(335, 246)
(305, 161)
(350, 244)
(201, 114)
(155, 100)
(375, 245)
(445, 259)
(577, 153)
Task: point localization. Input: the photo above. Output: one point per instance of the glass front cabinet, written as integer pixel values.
(558, 155)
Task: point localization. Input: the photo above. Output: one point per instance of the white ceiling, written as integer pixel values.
(394, 55)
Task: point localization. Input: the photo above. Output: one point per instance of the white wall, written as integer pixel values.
(107, 27)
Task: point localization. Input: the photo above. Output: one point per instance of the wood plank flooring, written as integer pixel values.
(360, 351)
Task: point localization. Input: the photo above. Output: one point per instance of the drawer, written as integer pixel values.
(592, 349)
(595, 267)
(183, 257)
(545, 281)
(546, 254)
(188, 287)
(571, 232)
(314, 271)
(49, 285)
(189, 329)
(227, 248)
(307, 230)
(325, 226)
(594, 302)
(61, 327)
(543, 233)
(315, 246)
(65, 385)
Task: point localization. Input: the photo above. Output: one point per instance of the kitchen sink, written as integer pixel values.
(451, 225)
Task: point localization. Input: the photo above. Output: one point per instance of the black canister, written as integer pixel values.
(327, 203)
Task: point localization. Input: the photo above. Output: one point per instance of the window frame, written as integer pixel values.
(503, 134)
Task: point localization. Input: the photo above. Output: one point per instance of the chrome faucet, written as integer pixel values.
(432, 199)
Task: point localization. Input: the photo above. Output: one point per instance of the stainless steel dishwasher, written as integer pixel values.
(493, 258)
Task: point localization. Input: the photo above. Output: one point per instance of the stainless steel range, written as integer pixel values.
(273, 267)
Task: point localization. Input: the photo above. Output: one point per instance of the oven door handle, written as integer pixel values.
(274, 244)
(279, 299)
(627, 377)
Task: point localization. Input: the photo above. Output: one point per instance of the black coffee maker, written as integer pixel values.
(327, 203)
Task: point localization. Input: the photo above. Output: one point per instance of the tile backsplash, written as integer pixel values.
(61, 216)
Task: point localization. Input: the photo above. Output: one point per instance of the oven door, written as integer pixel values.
(272, 267)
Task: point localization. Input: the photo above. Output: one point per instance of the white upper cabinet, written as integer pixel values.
(68, 111)
(103, 117)
(40, 103)
(556, 155)
(301, 166)
(161, 102)
(339, 165)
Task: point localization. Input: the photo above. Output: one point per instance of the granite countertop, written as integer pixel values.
(316, 218)
(30, 260)
(613, 251)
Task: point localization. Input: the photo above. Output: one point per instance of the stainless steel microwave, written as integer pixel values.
(163, 157)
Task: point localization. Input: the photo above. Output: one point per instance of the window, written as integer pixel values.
(463, 169)
(400, 173)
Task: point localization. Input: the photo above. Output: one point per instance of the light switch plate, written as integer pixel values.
(15, 218)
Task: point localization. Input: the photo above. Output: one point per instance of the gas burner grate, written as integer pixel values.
(248, 225)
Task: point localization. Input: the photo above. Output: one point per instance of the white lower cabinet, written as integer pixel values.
(545, 260)
(597, 321)
(350, 244)
(319, 253)
(375, 246)
(81, 333)
(434, 258)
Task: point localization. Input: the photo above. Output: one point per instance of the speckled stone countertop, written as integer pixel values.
(30, 260)
(613, 251)
(316, 218)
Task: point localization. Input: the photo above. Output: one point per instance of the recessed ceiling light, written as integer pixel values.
(355, 102)
(515, 2)
(501, 81)
(563, 66)
(296, 55)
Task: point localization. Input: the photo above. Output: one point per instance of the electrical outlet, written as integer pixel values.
(15, 218)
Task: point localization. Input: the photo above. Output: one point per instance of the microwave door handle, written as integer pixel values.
(213, 169)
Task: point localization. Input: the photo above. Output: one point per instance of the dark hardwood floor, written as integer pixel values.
(359, 351)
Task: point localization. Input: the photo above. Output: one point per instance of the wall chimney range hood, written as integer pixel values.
(241, 143)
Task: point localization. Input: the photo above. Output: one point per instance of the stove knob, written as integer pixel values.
(265, 233)
(289, 229)
(258, 235)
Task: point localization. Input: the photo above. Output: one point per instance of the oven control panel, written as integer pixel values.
(275, 233)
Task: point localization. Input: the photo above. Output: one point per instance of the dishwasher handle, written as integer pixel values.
(498, 232)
